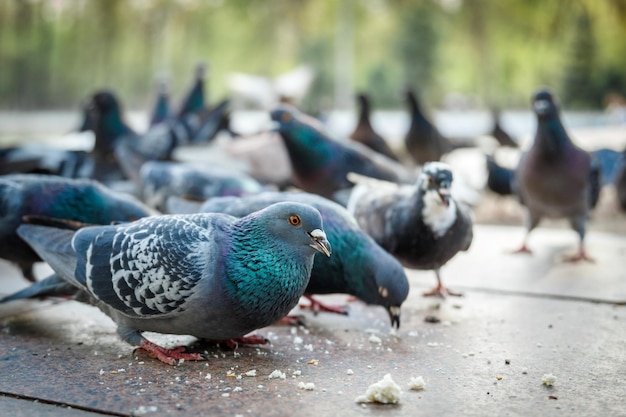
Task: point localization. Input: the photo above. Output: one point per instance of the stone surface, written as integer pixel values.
(481, 354)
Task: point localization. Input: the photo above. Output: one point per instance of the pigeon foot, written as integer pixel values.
(253, 339)
(523, 249)
(168, 356)
(316, 306)
(443, 292)
(577, 257)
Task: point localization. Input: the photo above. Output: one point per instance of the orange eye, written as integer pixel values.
(294, 220)
(286, 117)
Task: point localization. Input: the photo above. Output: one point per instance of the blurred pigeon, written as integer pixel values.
(73, 199)
(499, 134)
(211, 276)
(556, 178)
(421, 225)
(364, 132)
(265, 93)
(158, 180)
(320, 164)
(610, 162)
(358, 267)
(195, 100)
(45, 159)
(161, 110)
(423, 140)
(620, 183)
(499, 178)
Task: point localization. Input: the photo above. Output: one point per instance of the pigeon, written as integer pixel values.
(364, 132)
(195, 101)
(45, 159)
(555, 178)
(620, 183)
(499, 134)
(421, 225)
(423, 140)
(110, 129)
(81, 200)
(161, 110)
(159, 180)
(212, 276)
(499, 178)
(320, 164)
(359, 266)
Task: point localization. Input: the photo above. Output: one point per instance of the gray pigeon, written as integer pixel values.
(359, 266)
(556, 178)
(421, 225)
(212, 276)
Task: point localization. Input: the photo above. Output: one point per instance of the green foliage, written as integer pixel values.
(54, 53)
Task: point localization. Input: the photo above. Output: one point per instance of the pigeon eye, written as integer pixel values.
(286, 117)
(294, 220)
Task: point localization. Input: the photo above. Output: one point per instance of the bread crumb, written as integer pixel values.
(251, 372)
(385, 391)
(417, 383)
(237, 389)
(307, 386)
(375, 339)
(277, 374)
(313, 362)
(350, 372)
(548, 380)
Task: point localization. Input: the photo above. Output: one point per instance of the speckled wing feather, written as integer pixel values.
(157, 265)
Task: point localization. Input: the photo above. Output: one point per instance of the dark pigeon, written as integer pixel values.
(365, 134)
(80, 200)
(499, 134)
(421, 225)
(499, 179)
(555, 178)
(161, 110)
(320, 163)
(423, 140)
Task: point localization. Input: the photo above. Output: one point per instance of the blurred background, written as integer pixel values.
(458, 53)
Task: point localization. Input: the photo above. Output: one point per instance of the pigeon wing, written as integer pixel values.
(151, 267)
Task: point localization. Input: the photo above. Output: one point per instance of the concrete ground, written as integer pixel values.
(522, 317)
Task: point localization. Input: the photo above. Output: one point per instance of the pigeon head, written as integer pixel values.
(105, 102)
(544, 103)
(297, 224)
(436, 179)
(393, 286)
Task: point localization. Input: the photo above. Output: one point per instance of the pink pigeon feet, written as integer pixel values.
(523, 249)
(252, 339)
(317, 306)
(580, 256)
(168, 356)
(442, 292)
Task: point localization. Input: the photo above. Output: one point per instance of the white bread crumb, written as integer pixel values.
(375, 339)
(385, 391)
(417, 383)
(548, 379)
(251, 372)
(277, 374)
(308, 386)
(350, 372)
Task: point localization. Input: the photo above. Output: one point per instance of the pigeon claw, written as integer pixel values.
(252, 339)
(580, 256)
(316, 306)
(168, 356)
(443, 292)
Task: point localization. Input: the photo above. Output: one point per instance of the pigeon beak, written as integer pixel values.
(394, 316)
(444, 195)
(320, 243)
